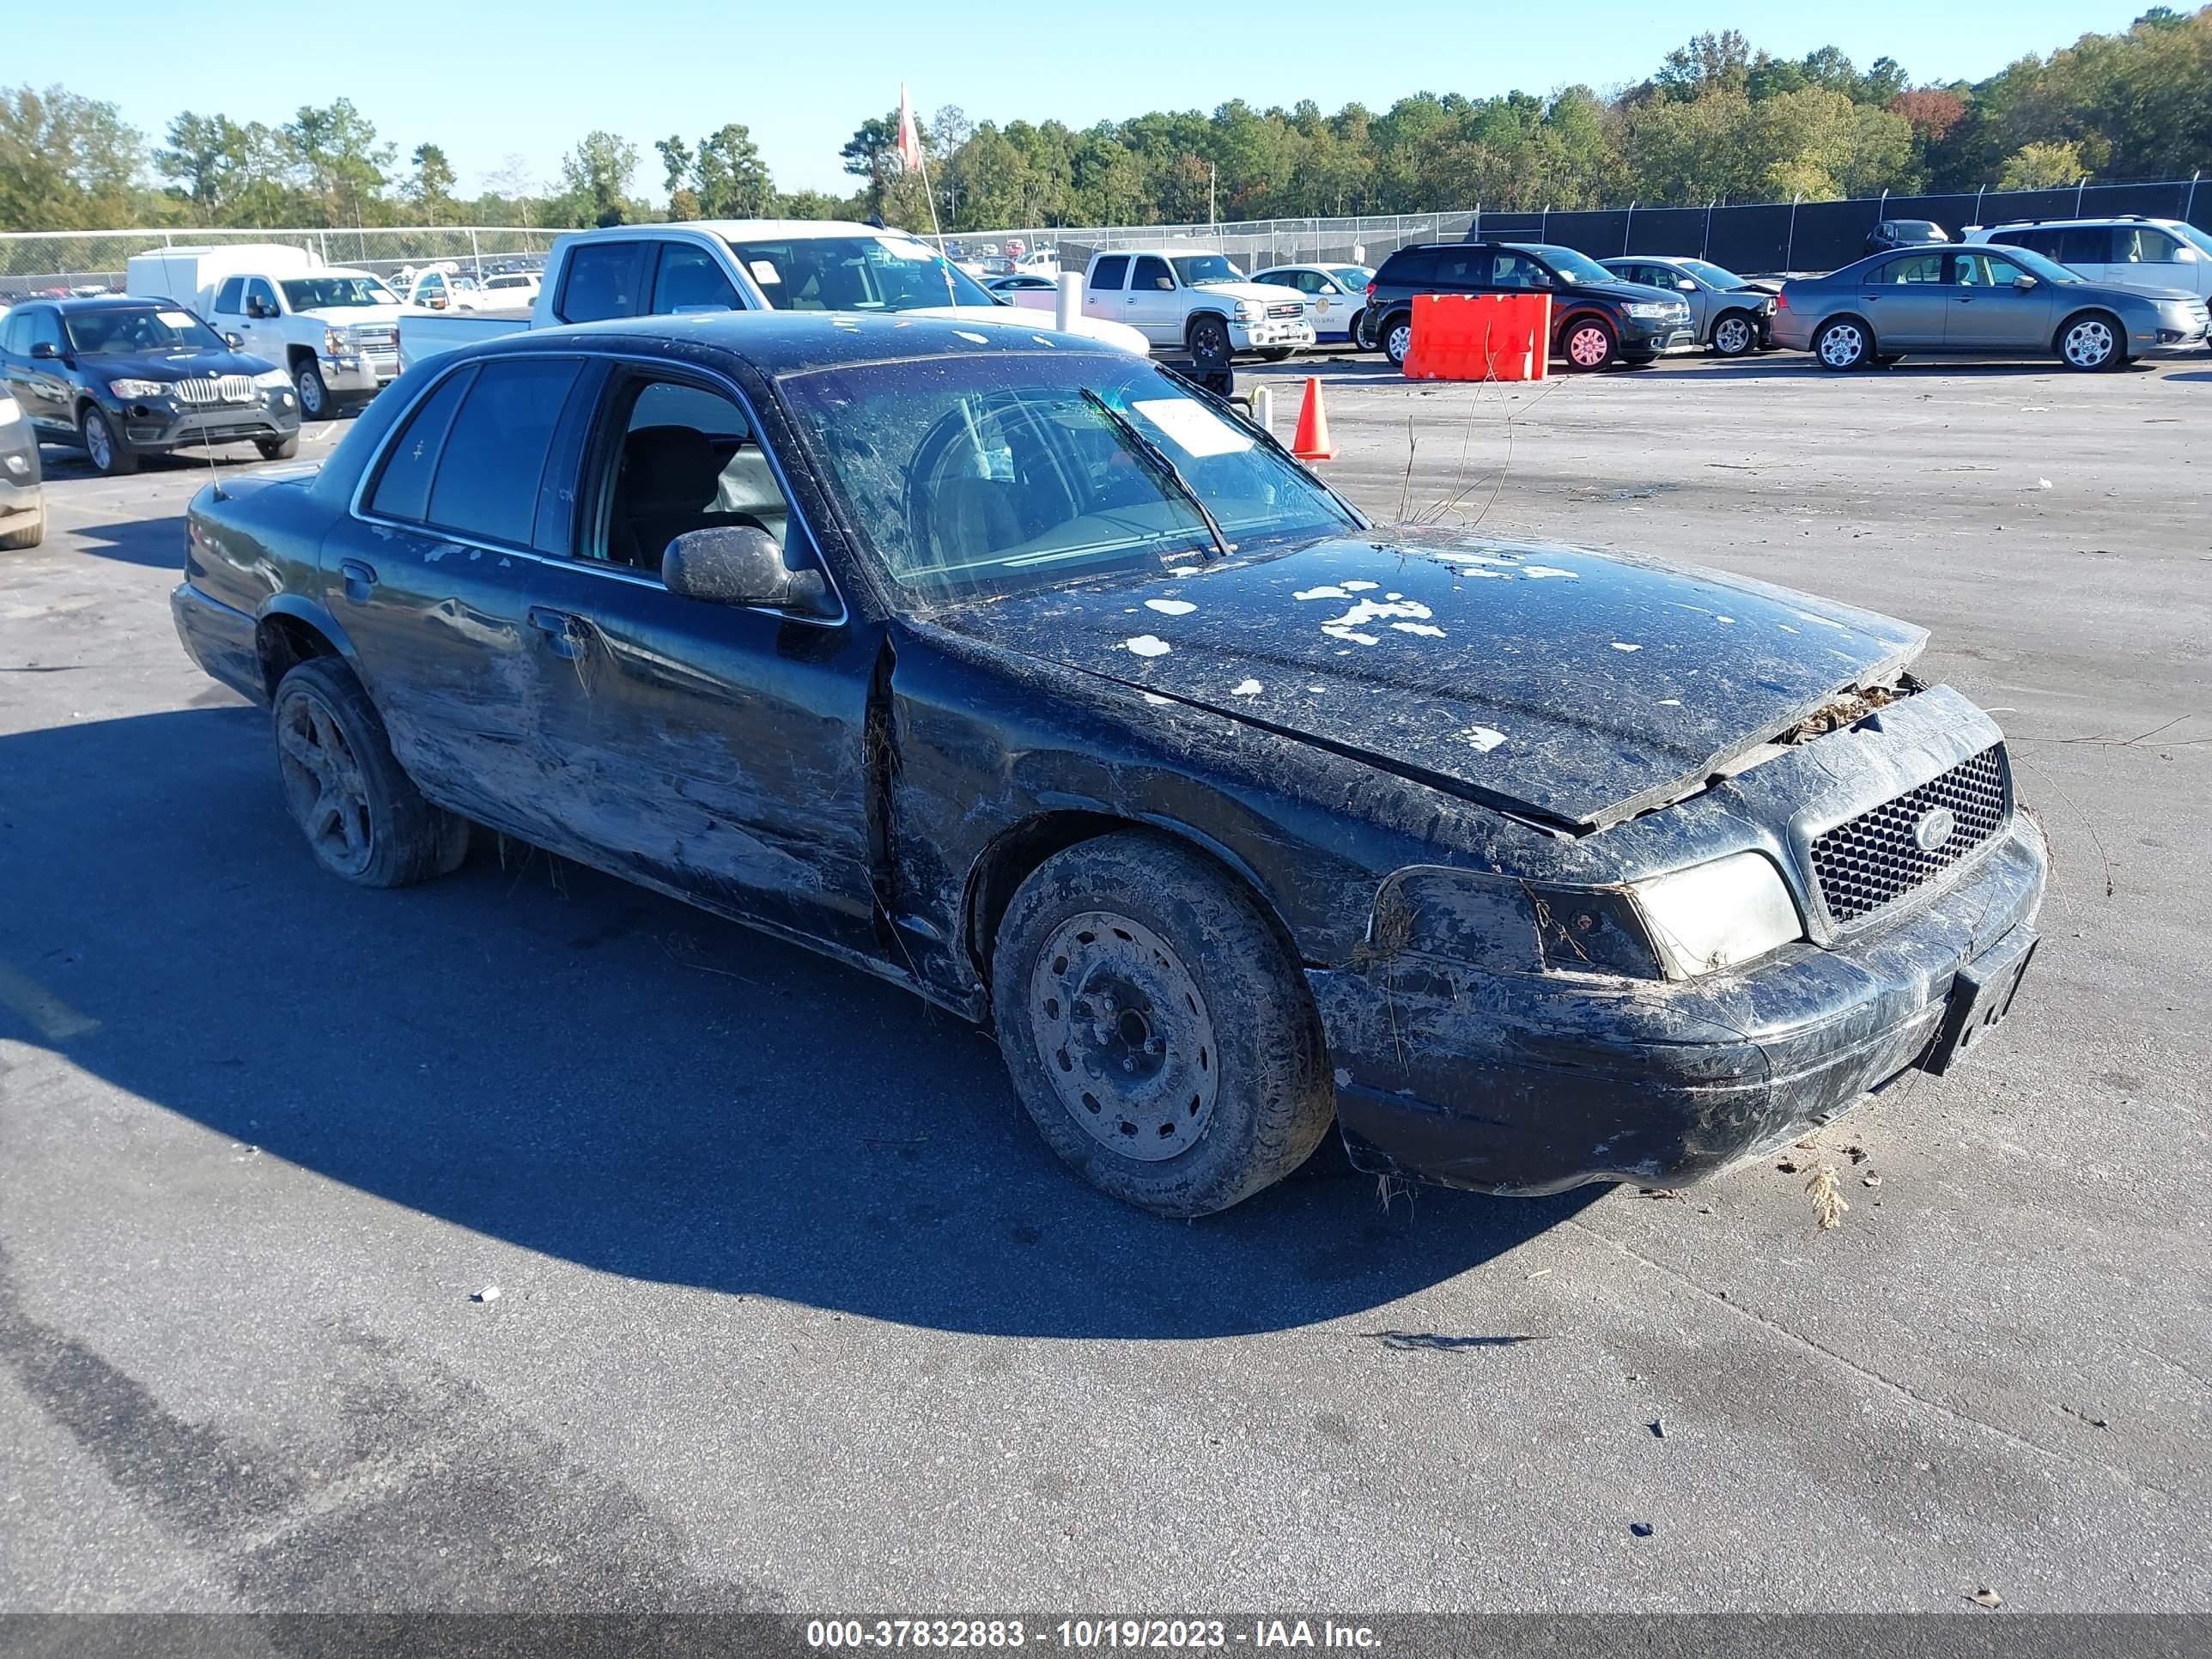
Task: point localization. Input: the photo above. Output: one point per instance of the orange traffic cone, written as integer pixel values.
(1312, 441)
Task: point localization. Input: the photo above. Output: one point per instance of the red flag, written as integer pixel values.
(909, 140)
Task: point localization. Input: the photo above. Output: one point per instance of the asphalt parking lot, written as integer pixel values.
(795, 1310)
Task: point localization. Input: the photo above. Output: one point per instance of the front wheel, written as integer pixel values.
(1398, 340)
(1274, 354)
(1589, 343)
(2092, 342)
(1209, 337)
(1352, 332)
(1843, 344)
(1734, 335)
(25, 536)
(278, 449)
(364, 819)
(1158, 1033)
(110, 457)
(314, 392)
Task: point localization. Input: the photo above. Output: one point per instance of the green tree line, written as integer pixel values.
(1717, 120)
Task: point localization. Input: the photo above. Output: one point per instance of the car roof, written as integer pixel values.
(782, 342)
(110, 301)
(2075, 224)
(791, 230)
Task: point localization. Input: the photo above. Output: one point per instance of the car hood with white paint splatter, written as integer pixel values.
(1120, 336)
(1571, 686)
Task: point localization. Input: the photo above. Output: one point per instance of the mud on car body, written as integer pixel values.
(1016, 671)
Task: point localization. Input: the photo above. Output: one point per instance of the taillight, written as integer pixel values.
(1370, 290)
(1782, 299)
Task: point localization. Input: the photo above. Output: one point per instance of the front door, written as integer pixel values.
(2143, 255)
(1908, 301)
(1989, 309)
(38, 384)
(1154, 304)
(1105, 289)
(713, 749)
(263, 324)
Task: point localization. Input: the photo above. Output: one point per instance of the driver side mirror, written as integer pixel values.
(2025, 279)
(253, 308)
(234, 339)
(740, 565)
(1686, 285)
(44, 348)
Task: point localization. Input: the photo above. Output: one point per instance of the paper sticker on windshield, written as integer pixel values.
(1192, 427)
(178, 318)
(765, 273)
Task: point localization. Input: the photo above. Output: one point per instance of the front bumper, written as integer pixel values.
(1641, 339)
(362, 374)
(1271, 333)
(163, 423)
(1531, 1083)
(20, 495)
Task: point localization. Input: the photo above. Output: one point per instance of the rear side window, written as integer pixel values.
(495, 455)
(1920, 267)
(1111, 273)
(689, 279)
(404, 489)
(2044, 242)
(232, 296)
(603, 281)
(2086, 245)
(1408, 265)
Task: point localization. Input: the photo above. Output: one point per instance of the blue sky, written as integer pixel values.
(489, 80)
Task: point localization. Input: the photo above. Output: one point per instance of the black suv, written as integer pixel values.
(1597, 320)
(123, 378)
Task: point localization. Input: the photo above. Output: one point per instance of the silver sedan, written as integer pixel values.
(1729, 313)
(1979, 301)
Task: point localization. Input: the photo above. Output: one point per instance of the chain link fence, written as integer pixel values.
(63, 261)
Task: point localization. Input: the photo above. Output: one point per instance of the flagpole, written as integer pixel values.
(910, 132)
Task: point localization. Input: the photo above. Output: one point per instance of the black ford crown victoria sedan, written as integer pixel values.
(1018, 672)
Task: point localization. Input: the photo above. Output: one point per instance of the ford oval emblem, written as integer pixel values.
(1937, 826)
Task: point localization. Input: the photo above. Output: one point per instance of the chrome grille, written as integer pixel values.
(212, 389)
(1877, 858)
(1286, 311)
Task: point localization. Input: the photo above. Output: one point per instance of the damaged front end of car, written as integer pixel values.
(1702, 982)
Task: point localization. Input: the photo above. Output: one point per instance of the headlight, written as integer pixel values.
(335, 344)
(137, 388)
(272, 379)
(1716, 915)
(1649, 308)
(1251, 311)
(10, 411)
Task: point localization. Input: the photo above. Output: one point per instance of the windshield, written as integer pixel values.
(319, 293)
(1355, 277)
(1713, 275)
(2049, 270)
(858, 273)
(2193, 236)
(1197, 270)
(156, 329)
(1575, 267)
(983, 474)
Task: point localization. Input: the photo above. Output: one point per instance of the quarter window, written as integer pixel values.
(402, 492)
(603, 281)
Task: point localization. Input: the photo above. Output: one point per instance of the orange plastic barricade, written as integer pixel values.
(1480, 336)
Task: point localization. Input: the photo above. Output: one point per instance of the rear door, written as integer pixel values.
(1991, 312)
(709, 750)
(37, 384)
(1105, 288)
(1908, 300)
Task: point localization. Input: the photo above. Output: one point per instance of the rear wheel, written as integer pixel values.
(364, 819)
(1589, 343)
(1734, 335)
(1158, 1033)
(110, 457)
(1843, 344)
(2092, 342)
(278, 449)
(1398, 340)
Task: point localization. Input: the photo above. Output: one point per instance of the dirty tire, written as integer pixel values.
(26, 535)
(1398, 340)
(1588, 343)
(1131, 954)
(314, 392)
(1733, 334)
(278, 449)
(1842, 345)
(110, 457)
(1209, 337)
(364, 819)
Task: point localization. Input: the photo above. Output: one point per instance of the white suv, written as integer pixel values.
(1193, 297)
(2129, 251)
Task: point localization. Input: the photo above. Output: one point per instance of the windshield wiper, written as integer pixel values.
(1159, 458)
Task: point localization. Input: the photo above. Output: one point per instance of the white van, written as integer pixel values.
(2128, 251)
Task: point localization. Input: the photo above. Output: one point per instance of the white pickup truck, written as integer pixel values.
(737, 265)
(1193, 297)
(333, 329)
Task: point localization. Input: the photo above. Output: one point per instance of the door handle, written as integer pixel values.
(564, 634)
(359, 578)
